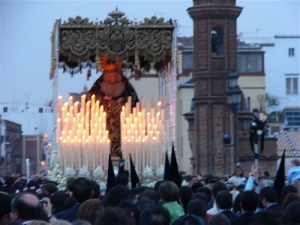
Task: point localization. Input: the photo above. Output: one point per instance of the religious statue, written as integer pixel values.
(112, 89)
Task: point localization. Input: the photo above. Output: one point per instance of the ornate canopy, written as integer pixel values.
(77, 43)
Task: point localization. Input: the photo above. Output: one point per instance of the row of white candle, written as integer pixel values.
(142, 135)
(82, 135)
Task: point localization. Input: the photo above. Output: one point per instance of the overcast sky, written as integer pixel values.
(25, 29)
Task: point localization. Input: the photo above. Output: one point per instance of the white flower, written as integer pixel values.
(160, 171)
(148, 173)
(98, 172)
(84, 172)
(69, 172)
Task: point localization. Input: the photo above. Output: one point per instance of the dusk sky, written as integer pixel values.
(25, 30)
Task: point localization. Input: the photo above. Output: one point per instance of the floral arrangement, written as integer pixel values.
(69, 172)
(148, 173)
(160, 172)
(98, 173)
(57, 176)
(84, 172)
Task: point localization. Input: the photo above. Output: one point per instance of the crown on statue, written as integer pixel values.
(107, 63)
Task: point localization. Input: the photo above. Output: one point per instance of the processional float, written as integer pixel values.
(110, 118)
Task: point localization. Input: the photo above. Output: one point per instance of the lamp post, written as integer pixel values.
(234, 96)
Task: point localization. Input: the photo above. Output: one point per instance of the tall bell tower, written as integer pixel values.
(214, 60)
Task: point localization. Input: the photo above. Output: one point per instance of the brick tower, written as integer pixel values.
(214, 60)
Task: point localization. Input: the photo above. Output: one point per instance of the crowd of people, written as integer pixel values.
(237, 200)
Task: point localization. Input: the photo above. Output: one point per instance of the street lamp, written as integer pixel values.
(234, 97)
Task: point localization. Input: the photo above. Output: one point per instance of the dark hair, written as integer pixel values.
(291, 197)
(169, 191)
(219, 186)
(114, 216)
(4, 204)
(224, 200)
(269, 194)
(82, 189)
(157, 185)
(249, 200)
(291, 215)
(23, 209)
(264, 218)
(219, 219)
(288, 189)
(185, 195)
(155, 215)
(116, 194)
(90, 210)
(197, 207)
(141, 205)
(95, 189)
(58, 200)
(149, 193)
(189, 219)
(236, 205)
(206, 191)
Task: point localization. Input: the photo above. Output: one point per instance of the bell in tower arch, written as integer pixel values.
(217, 41)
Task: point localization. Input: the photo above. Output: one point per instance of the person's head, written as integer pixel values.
(49, 189)
(90, 210)
(218, 186)
(141, 205)
(81, 222)
(60, 222)
(5, 200)
(169, 191)
(249, 201)
(95, 189)
(128, 205)
(291, 215)
(205, 190)
(268, 195)
(288, 189)
(238, 171)
(82, 189)
(25, 206)
(58, 200)
(264, 218)
(197, 207)
(116, 194)
(114, 216)
(157, 185)
(224, 200)
(219, 219)
(291, 197)
(189, 219)
(266, 174)
(236, 205)
(149, 193)
(185, 195)
(155, 215)
(70, 183)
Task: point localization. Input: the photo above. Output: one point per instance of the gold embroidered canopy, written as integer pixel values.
(78, 43)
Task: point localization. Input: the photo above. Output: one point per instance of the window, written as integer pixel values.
(41, 110)
(292, 118)
(250, 63)
(292, 85)
(187, 61)
(5, 109)
(291, 52)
